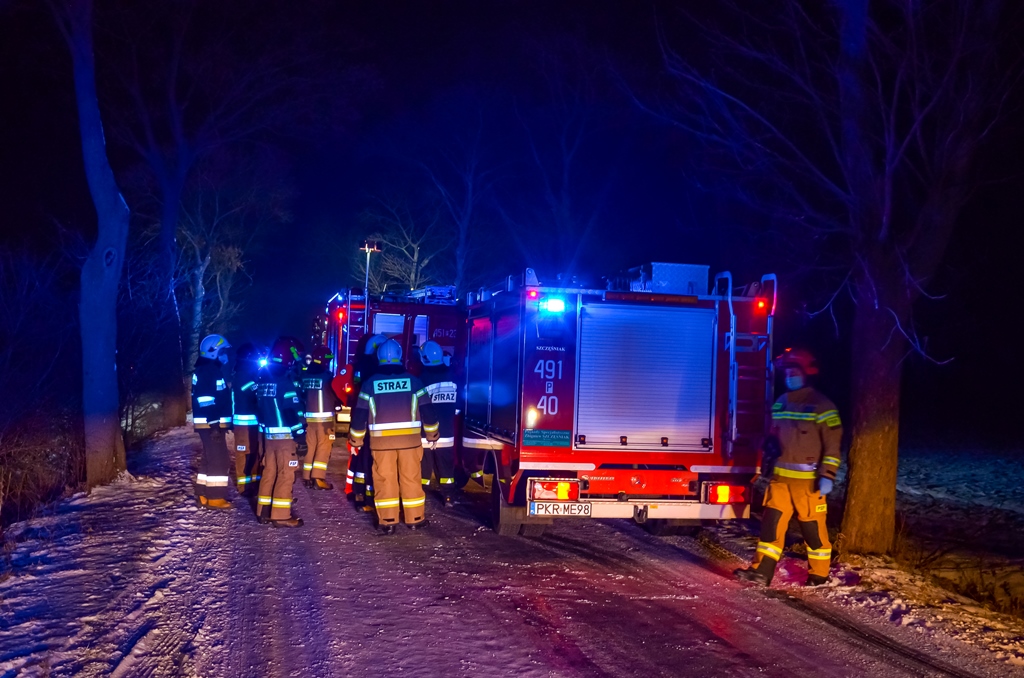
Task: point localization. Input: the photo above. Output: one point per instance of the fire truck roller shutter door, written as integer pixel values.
(658, 363)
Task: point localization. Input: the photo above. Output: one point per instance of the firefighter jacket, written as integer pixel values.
(211, 399)
(243, 393)
(278, 405)
(393, 406)
(319, 398)
(809, 432)
(444, 396)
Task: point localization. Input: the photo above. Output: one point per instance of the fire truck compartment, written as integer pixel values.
(646, 378)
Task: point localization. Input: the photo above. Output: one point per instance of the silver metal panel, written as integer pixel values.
(645, 373)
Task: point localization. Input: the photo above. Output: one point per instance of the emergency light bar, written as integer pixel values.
(553, 305)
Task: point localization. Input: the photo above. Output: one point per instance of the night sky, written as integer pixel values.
(417, 58)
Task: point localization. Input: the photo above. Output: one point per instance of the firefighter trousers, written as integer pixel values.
(396, 475)
(279, 466)
(320, 439)
(786, 496)
(247, 459)
(439, 461)
(212, 479)
(362, 473)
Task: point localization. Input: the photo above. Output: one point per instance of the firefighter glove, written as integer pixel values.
(824, 485)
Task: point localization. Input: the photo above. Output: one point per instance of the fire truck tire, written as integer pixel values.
(505, 519)
(533, 529)
(660, 527)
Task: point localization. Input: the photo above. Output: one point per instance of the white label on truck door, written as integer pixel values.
(559, 508)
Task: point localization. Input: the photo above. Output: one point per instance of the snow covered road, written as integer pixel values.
(134, 580)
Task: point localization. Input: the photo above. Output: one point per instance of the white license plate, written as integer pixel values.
(559, 508)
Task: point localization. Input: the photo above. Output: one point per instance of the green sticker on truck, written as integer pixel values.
(547, 438)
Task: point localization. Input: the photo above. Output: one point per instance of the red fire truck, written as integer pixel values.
(413, 318)
(646, 400)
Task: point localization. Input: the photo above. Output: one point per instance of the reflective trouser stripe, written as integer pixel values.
(477, 474)
(200, 479)
(322, 465)
(307, 467)
(412, 503)
(264, 501)
(245, 480)
(820, 554)
(425, 481)
(769, 550)
(281, 503)
(386, 503)
(834, 461)
(446, 481)
(217, 481)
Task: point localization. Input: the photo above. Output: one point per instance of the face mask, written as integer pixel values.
(794, 383)
(223, 358)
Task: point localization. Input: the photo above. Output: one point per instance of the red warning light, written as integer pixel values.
(761, 304)
(341, 314)
(532, 294)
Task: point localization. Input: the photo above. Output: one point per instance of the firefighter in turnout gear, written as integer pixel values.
(211, 417)
(806, 434)
(244, 423)
(278, 407)
(393, 407)
(439, 459)
(320, 405)
(361, 458)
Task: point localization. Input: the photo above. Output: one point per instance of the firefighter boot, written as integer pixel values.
(218, 504)
(815, 580)
(264, 516)
(449, 502)
(288, 522)
(417, 526)
(387, 530)
(308, 483)
(753, 576)
(322, 484)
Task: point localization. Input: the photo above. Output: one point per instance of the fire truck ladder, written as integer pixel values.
(750, 372)
(355, 324)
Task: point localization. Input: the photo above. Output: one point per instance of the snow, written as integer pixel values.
(134, 580)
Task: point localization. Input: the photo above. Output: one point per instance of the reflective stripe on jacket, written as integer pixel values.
(809, 431)
(393, 408)
(211, 399)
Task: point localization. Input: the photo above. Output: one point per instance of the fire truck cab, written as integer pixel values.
(411, 319)
(646, 400)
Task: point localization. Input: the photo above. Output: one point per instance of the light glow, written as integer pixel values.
(531, 417)
(553, 305)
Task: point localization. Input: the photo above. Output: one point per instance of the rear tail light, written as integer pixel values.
(555, 490)
(723, 493)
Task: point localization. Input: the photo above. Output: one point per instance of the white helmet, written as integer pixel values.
(390, 353)
(211, 346)
(431, 354)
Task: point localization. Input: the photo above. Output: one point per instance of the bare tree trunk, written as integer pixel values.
(196, 324)
(101, 272)
(878, 349)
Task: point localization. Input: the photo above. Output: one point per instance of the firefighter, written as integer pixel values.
(244, 422)
(360, 456)
(320, 407)
(393, 406)
(439, 459)
(211, 417)
(278, 406)
(806, 434)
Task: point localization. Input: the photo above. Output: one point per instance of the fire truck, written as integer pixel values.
(411, 318)
(646, 400)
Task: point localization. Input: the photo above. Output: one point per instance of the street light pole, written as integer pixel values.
(369, 247)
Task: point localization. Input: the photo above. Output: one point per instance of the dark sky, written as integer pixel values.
(424, 53)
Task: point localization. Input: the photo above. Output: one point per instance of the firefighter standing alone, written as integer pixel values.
(439, 459)
(320, 406)
(211, 417)
(806, 435)
(393, 406)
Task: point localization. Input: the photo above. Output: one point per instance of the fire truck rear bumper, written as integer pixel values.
(692, 510)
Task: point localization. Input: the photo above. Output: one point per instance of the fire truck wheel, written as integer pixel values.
(533, 530)
(660, 527)
(504, 518)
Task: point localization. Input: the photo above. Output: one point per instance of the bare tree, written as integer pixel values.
(857, 127)
(101, 272)
(411, 236)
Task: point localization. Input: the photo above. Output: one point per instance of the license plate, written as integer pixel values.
(559, 508)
